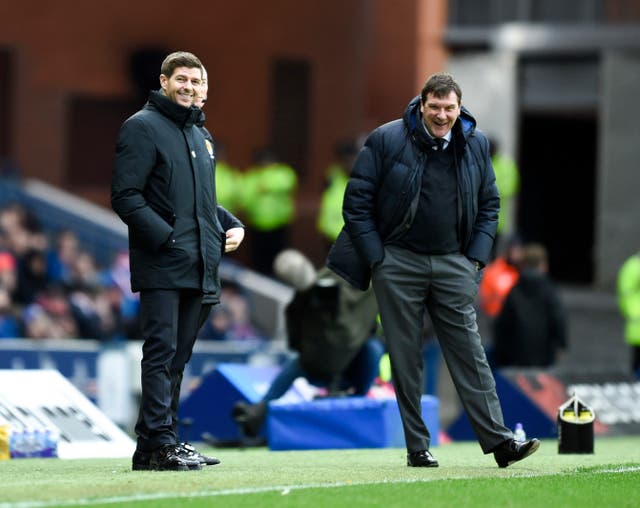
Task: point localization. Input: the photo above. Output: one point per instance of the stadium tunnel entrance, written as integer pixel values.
(556, 207)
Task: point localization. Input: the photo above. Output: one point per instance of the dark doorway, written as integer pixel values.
(93, 128)
(290, 114)
(558, 155)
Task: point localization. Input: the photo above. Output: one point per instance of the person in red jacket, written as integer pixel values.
(499, 277)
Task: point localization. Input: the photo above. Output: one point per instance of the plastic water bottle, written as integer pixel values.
(519, 434)
(17, 443)
(37, 447)
(29, 443)
(50, 443)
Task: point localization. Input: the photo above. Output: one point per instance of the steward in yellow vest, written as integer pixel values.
(228, 186)
(330, 221)
(629, 303)
(268, 202)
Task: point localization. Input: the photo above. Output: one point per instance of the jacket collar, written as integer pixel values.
(184, 117)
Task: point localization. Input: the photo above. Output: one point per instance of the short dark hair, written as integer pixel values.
(179, 59)
(534, 256)
(440, 84)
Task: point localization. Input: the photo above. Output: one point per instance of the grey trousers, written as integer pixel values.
(406, 283)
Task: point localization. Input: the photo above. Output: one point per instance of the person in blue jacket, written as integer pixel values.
(421, 212)
(163, 188)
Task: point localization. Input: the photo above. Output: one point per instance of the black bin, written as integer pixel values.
(575, 427)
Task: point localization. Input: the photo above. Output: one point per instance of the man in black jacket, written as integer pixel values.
(163, 188)
(421, 212)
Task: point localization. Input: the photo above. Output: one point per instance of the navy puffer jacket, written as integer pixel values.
(384, 188)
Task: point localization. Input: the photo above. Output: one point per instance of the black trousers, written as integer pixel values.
(169, 323)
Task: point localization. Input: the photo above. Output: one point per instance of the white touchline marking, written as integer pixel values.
(621, 469)
(283, 489)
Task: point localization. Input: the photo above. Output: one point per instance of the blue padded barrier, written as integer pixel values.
(349, 422)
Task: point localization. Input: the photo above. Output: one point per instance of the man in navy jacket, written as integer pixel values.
(163, 188)
(421, 212)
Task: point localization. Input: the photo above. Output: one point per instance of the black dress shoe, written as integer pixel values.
(188, 452)
(423, 458)
(167, 458)
(141, 461)
(512, 451)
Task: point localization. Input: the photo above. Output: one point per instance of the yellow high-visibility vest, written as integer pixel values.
(330, 219)
(268, 196)
(629, 298)
(508, 182)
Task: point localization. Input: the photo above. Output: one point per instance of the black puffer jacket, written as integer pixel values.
(384, 188)
(163, 188)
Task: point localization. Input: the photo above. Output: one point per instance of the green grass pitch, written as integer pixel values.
(257, 477)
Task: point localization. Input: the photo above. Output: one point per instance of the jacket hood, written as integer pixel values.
(413, 120)
(184, 117)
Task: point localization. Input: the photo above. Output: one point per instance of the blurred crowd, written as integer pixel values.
(52, 286)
